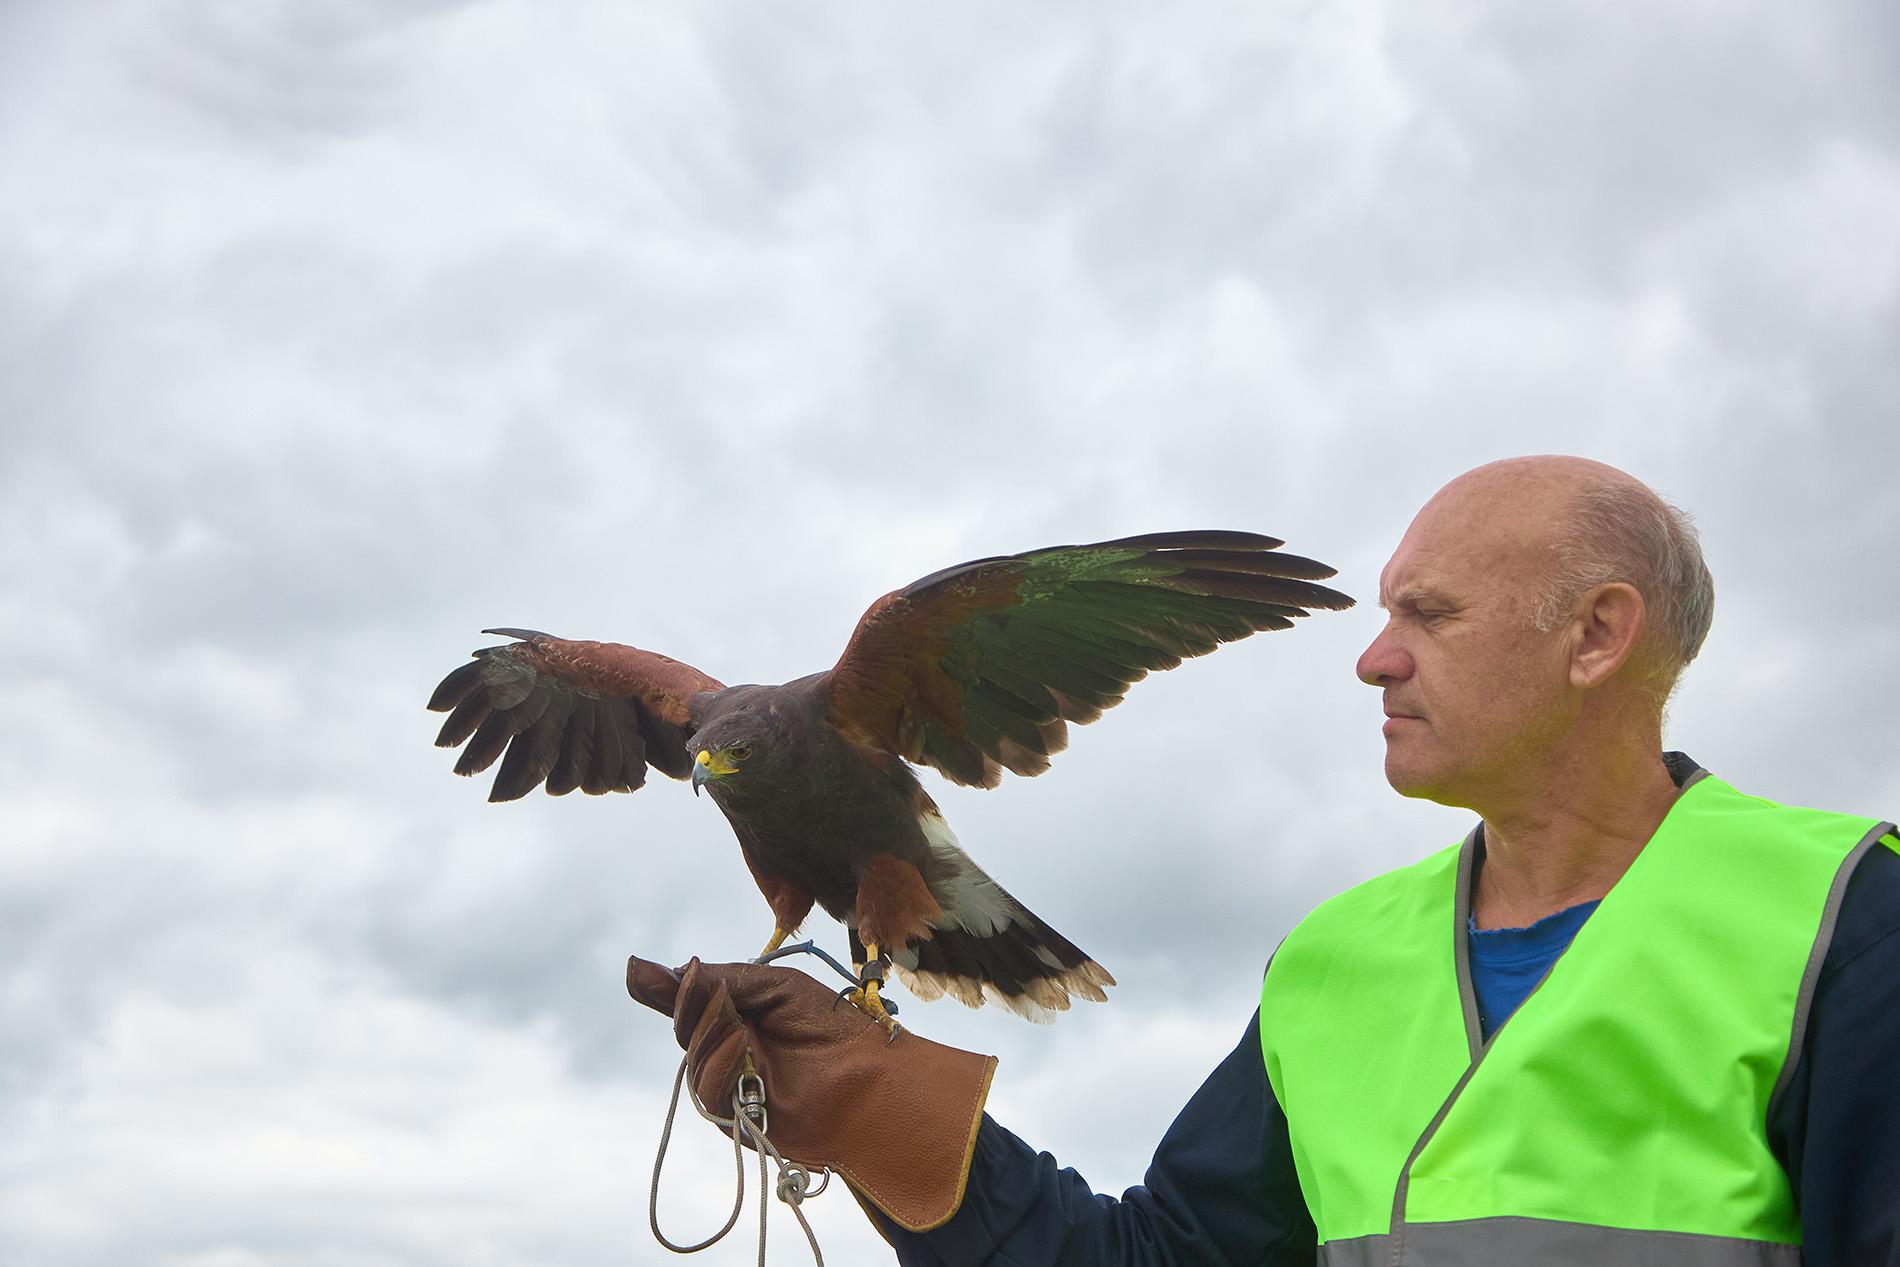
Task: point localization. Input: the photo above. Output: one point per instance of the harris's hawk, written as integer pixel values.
(973, 670)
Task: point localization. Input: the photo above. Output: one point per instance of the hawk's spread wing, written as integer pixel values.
(588, 715)
(979, 667)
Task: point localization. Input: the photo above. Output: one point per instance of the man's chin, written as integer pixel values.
(1409, 779)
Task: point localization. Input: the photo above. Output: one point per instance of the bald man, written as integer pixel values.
(1635, 1017)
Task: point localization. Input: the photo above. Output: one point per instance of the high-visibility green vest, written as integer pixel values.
(1620, 1114)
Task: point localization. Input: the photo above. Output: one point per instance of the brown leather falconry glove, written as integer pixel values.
(896, 1119)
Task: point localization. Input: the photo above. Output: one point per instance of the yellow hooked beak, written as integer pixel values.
(710, 766)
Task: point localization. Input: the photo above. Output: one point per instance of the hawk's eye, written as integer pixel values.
(739, 751)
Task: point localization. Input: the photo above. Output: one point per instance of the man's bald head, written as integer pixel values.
(1601, 525)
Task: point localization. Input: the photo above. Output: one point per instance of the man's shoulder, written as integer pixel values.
(1708, 785)
(1366, 934)
(1869, 909)
(1432, 879)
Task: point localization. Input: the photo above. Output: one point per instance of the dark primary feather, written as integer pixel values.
(587, 715)
(981, 667)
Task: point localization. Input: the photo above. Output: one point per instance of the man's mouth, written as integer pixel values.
(1396, 720)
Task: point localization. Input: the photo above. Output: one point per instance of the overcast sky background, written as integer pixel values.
(333, 332)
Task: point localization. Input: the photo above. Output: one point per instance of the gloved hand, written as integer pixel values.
(896, 1120)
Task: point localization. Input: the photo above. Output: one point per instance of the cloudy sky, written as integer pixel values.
(333, 332)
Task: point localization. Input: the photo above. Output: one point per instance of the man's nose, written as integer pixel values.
(1384, 661)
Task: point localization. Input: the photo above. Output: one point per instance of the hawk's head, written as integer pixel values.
(737, 751)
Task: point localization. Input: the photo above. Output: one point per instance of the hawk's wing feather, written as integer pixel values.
(570, 714)
(983, 666)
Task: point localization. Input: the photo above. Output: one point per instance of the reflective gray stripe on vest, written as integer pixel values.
(1517, 1242)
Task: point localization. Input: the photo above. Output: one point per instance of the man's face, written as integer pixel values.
(1472, 689)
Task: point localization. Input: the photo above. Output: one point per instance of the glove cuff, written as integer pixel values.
(919, 1182)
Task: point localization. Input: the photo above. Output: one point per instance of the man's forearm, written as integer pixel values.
(1221, 1189)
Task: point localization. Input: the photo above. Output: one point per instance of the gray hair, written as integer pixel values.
(1622, 531)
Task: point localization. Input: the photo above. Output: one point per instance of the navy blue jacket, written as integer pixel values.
(1222, 1188)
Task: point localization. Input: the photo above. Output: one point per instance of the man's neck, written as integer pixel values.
(1572, 841)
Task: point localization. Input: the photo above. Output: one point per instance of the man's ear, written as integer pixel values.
(1608, 622)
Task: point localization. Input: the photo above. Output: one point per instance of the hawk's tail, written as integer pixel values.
(986, 943)
(1027, 967)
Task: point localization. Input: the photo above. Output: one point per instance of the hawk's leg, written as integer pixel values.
(779, 934)
(790, 902)
(895, 908)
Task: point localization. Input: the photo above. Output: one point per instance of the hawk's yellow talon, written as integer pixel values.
(865, 999)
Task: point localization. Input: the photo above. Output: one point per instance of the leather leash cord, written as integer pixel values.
(746, 1125)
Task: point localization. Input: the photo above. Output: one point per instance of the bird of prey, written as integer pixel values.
(973, 670)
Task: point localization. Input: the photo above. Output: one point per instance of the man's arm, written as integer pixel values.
(1221, 1190)
(1837, 1129)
